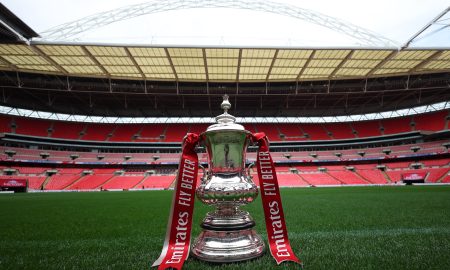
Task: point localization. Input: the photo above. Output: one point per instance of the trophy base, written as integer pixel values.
(227, 246)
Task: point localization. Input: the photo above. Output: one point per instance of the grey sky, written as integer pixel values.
(394, 19)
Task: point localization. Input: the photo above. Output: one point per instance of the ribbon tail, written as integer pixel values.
(178, 234)
(279, 245)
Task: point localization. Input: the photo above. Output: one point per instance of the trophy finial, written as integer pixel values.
(225, 118)
(226, 105)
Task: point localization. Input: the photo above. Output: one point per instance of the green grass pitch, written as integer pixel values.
(329, 228)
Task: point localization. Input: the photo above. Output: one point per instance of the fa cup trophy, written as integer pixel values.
(228, 234)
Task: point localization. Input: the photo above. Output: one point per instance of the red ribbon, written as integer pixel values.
(279, 244)
(178, 235)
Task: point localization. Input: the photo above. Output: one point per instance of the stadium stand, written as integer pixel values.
(77, 169)
(396, 125)
(157, 182)
(367, 128)
(435, 121)
(97, 132)
(315, 131)
(90, 182)
(33, 127)
(340, 130)
(67, 130)
(125, 133)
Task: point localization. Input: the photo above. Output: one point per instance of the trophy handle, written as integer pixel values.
(248, 170)
(205, 173)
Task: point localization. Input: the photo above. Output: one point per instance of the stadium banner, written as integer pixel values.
(178, 234)
(13, 183)
(279, 244)
(414, 176)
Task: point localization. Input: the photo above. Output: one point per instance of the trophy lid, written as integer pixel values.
(225, 121)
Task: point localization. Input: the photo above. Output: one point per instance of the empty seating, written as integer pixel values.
(291, 132)
(318, 179)
(348, 177)
(156, 181)
(31, 170)
(97, 132)
(271, 131)
(122, 182)
(35, 182)
(33, 127)
(61, 181)
(290, 180)
(91, 181)
(396, 125)
(315, 131)
(151, 133)
(367, 128)
(67, 130)
(340, 130)
(434, 121)
(374, 176)
(5, 124)
(176, 132)
(125, 132)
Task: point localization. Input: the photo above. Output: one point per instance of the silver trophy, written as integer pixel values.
(228, 234)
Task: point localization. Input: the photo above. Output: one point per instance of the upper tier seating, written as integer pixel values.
(396, 125)
(33, 127)
(67, 130)
(434, 121)
(125, 133)
(367, 128)
(340, 130)
(98, 132)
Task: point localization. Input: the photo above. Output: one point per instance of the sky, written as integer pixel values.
(397, 20)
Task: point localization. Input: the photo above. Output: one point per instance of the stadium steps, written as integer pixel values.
(50, 129)
(329, 133)
(302, 132)
(74, 182)
(112, 133)
(165, 132)
(303, 179)
(363, 178)
(138, 134)
(447, 119)
(172, 185)
(355, 132)
(140, 182)
(107, 180)
(439, 180)
(42, 187)
(386, 176)
(337, 179)
(83, 132)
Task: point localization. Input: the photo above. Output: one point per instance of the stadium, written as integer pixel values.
(91, 137)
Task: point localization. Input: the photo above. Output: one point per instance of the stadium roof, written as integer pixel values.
(130, 80)
(215, 64)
